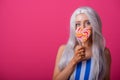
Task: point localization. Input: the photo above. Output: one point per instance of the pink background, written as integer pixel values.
(31, 32)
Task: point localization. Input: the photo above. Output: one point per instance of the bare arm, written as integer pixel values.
(67, 71)
(108, 59)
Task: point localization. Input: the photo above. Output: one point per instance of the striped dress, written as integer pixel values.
(83, 71)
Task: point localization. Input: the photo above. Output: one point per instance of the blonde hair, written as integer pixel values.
(98, 42)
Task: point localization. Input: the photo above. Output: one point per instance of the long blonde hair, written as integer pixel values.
(98, 42)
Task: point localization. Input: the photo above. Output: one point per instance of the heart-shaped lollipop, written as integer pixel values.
(83, 34)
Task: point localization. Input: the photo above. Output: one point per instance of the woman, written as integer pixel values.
(87, 60)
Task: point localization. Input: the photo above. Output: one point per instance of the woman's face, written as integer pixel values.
(82, 21)
(83, 28)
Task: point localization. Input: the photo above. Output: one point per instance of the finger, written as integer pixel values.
(81, 51)
(83, 56)
(78, 47)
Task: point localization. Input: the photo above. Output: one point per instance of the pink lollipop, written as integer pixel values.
(83, 34)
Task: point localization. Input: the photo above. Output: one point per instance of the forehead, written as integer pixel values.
(81, 17)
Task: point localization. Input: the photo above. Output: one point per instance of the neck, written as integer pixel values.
(87, 44)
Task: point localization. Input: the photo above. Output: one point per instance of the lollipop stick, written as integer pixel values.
(82, 44)
(79, 42)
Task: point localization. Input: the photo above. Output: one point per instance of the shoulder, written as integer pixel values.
(106, 50)
(61, 49)
(108, 63)
(59, 54)
(107, 55)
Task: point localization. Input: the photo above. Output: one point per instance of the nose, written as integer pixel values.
(82, 25)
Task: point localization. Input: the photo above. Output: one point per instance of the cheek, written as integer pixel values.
(91, 36)
(89, 26)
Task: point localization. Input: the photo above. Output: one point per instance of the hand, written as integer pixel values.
(79, 54)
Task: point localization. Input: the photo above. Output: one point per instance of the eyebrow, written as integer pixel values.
(80, 21)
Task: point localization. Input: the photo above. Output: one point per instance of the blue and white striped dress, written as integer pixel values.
(83, 71)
